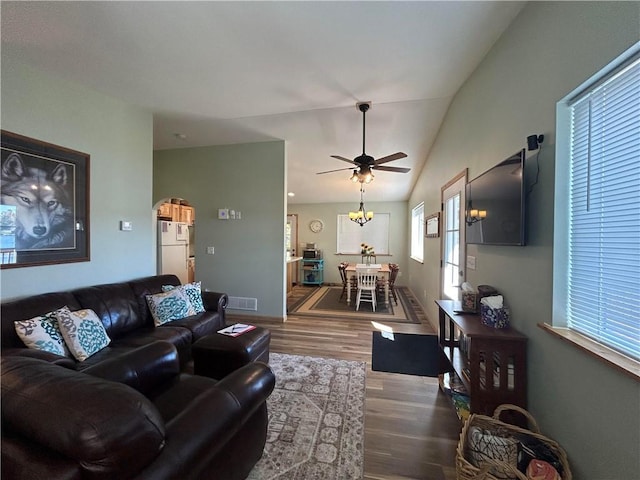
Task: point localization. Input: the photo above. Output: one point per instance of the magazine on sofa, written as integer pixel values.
(236, 329)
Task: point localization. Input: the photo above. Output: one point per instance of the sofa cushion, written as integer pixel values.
(110, 429)
(200, 325)
(193, 291)
(180, 337)
(169, 306)
(83, 332)
(148, 286)
(30, 307)
(116, 307)
(42, 333)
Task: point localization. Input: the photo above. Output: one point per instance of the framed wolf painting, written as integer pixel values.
(44, 203)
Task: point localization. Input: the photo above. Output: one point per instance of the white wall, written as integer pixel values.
(249, 258)
(327, 239)
(118, 138)
(551, 48)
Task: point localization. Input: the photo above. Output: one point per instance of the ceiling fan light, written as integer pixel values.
(354, 178)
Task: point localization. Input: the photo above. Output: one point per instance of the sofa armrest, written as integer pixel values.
(41, 355)
(143, 368)
(227, 406)
(215, 301)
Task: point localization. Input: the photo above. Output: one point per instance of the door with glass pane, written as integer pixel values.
(453, 242)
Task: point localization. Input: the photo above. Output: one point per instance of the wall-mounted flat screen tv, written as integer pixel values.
(495, 212)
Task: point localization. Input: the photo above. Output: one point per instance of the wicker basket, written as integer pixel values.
(506, 437)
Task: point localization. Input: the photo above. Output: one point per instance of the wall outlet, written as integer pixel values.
(210, 250)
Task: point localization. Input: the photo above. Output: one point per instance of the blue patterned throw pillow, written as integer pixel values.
(168, 306)
(193, 291)
(82, 331)
(42, 333)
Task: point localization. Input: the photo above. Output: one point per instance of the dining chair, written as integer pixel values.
(367, 284)
(393, 274)
(343, 276)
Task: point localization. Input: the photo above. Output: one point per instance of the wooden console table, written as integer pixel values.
(491, 362)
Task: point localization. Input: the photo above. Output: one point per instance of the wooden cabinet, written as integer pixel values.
(165, 211)
(187, 214)
(177, 213)
(491, 363)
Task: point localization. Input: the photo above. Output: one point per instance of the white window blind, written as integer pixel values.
(603, 292)
(374, 233)
(417, 232)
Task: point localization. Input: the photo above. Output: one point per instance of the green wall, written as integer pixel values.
(119, 139)
(249, 258)
(550, 49)
(327, 239)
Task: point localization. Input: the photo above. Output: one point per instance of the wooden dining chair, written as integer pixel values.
(393, 274)
(343, 276)
(367, 285)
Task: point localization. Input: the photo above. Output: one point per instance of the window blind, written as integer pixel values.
(417, 232)
(375, 234)
(603, 291)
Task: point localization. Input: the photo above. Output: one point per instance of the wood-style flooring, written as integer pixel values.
(411, 428)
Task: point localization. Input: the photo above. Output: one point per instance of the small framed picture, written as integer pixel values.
(432, 226)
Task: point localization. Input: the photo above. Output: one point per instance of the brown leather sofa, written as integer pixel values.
(133, 416)
(123, 310)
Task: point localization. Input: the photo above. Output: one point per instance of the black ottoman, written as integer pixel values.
(218, 355)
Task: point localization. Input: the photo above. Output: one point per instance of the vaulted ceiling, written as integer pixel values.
(215, 73)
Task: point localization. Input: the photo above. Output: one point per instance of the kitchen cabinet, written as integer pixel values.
(187, 214)
(164, 211)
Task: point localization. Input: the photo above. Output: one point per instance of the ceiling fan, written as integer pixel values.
(364, 164)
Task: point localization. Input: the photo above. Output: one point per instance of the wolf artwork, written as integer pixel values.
(41, 190)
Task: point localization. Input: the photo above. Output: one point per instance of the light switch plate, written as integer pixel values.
(126, 226)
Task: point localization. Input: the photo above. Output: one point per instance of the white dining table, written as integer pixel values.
(383, 270)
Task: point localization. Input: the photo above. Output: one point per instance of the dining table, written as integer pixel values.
(383, 270)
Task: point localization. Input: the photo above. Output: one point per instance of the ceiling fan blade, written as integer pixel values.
(393, 169)
(390, 158)
(343, 159)
(337, 170)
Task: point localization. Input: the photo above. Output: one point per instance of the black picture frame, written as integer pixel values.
(44, 203)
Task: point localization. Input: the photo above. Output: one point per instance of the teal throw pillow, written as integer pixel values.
(82, 331)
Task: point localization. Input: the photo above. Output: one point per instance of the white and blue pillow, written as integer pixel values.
(193, 292)
(82, 331)
(169, 306)
(42, 333)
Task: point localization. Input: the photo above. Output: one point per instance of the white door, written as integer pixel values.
(453, 248)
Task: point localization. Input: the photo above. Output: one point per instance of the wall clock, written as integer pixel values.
(316, 226)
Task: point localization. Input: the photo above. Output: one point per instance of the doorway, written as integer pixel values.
(454, 247)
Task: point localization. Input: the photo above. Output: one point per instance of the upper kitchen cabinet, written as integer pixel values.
(176, 212)
(187, 214)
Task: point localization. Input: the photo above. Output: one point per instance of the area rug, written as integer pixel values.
(408, 353)
(316, 420)
(326, 301)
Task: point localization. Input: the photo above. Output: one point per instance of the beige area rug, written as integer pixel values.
(326, 301)
(316, 420)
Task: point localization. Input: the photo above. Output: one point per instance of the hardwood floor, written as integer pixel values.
(411, 428)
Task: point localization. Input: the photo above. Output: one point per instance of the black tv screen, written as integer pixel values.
(495, 204)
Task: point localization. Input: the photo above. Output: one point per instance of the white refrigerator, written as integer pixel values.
(173, 249)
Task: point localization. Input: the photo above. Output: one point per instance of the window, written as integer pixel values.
(417, 232)
(597, 230)
(375, 234)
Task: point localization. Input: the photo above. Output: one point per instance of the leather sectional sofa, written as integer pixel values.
(122, 308)
(129, 411)
(131, 417)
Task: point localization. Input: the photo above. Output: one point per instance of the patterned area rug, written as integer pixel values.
(325, 301)
(316, 420)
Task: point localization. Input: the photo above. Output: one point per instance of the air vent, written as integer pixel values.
(243, 303)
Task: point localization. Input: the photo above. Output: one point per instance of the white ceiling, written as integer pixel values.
(238, 72)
